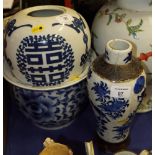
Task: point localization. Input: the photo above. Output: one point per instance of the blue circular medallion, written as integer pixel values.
(139, 85)
(45, 60)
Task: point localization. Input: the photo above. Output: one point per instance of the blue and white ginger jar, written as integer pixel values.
(47, 45)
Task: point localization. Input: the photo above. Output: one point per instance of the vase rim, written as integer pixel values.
(44, 12)
(119, 45)
(118, 52)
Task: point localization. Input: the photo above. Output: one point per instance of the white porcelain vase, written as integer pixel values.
(116, 85)
(127, 19)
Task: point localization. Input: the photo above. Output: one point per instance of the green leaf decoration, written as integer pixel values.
(110, 18)
(129, 21)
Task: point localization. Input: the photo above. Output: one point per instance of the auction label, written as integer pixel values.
(65, 18)
(120, 92)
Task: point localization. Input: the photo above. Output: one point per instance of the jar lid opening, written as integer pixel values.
(119, 45)
(46, 13)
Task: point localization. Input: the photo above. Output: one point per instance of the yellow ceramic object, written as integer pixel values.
(52, 148)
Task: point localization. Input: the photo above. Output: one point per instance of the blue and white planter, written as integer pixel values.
(53, 109)
(47, 45)
(115, 102)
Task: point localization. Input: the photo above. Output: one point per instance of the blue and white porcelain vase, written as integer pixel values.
(116, 84)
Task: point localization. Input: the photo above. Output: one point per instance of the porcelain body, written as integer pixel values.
(115, 101)
(47, 45)
(54, 109)
(127, 19)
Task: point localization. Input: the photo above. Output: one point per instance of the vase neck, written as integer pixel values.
(118, 52)
(136, 5)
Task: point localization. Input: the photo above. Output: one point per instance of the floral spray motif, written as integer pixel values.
(110, 88)
(120, 18)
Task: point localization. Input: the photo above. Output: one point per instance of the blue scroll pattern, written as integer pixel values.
(52, 109)
(11, 27)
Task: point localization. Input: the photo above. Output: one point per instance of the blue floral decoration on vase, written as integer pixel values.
(139, 85)
(115, 107)
(108, 109)
(101, 125)
(122, 131)
(112, 107)
(102, 91)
